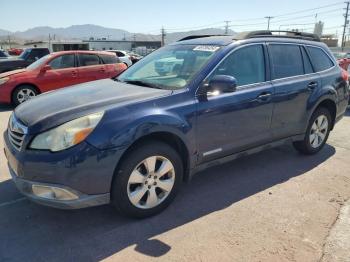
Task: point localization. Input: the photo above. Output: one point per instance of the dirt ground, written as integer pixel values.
(273, 206)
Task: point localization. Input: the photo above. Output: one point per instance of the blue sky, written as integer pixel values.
(178, 15)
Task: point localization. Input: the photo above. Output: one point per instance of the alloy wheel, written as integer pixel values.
(318, 131)
(25, 94)
(151, 182)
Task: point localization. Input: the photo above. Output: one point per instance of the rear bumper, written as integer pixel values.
(83, 201)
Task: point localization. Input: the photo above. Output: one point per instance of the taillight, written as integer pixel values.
(344, 75)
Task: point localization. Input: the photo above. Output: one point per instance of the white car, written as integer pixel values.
(123, 56)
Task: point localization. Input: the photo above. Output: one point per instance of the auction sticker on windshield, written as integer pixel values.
(206, 48)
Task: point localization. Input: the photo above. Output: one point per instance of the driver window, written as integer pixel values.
(64, 61)
(246, 64)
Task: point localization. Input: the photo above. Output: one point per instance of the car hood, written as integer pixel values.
(55, 108)
(13, 72)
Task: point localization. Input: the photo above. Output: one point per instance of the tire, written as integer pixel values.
(133, 185)
(24, 90)
(310, 146)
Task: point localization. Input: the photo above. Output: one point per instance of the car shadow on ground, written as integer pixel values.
(5, 108)
(29, 232)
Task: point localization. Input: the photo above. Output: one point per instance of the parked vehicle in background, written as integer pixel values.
(29, 56)
(168, 65)
(133, 141)
(55, 71)
(3, 54)
(343, 59)
(15, 51)
(134, 57)
(123, 56)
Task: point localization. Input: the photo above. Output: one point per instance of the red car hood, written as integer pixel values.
(13, 72)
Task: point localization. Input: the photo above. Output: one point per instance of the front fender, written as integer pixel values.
(124, 131)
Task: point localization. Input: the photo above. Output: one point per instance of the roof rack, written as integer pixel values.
(286, 34)
(196, 36)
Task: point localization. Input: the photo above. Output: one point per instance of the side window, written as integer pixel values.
(247, 65)
(34, 55)
(110, 59)
(64, 61)
(286, 61)
(319, 59)
(120, 54)
(307, 64)
(88, 60)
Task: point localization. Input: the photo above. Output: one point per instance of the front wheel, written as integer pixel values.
(317, 132)
(23, 93)
(147, 180)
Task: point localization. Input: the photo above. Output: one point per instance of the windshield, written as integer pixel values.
(171, 67)
(38, 63)
(24, 54)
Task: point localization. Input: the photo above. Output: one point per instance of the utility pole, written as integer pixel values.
(268, 21)
(227, 26)
(346, 21)
(163, 36)
(9, 38)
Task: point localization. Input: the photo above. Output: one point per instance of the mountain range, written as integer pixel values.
(87, 31)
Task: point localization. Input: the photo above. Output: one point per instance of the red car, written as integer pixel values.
(15, 51)
(55, 71)
(343, 59)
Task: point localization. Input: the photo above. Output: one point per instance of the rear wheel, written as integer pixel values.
(317, 132)
(147, 180)
(23, 93)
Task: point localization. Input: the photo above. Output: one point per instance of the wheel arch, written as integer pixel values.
(26, 84)
(168, 138)
(331, 106)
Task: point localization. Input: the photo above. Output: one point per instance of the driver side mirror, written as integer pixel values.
(45, 68)
(222, 84)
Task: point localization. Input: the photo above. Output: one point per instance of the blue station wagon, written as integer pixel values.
(133, 140)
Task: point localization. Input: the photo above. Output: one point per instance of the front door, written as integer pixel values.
(63, 73)
(232, 122)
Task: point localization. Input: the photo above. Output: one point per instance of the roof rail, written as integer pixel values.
(196, 36)
(272, 33)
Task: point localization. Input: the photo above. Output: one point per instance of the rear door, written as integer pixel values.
(62, 73)
(294, 82)
(91, 67)
(111, 65)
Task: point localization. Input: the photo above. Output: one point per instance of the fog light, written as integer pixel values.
(54, 193)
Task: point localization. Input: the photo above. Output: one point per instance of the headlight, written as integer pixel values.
(68, 134)
(4, 80)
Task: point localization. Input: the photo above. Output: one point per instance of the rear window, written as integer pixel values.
(286, 61)
(88, 60)
(110, 59)
(319, 59)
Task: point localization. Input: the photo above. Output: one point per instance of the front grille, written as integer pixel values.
(16, 132)
(16, 139)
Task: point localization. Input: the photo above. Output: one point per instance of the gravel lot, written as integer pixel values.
(273, 206)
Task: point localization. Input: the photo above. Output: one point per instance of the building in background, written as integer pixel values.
(56, 46)
(318, 30)
(330, 40)
(141, 47)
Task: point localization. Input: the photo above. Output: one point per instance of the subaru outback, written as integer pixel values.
(132, 141)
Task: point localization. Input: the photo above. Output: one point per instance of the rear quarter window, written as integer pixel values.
(319, 59)
(286, 60)
(110, 59)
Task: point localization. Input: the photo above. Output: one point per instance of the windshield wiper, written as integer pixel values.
(141, 83)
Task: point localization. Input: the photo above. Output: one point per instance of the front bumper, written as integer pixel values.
(83, 201)
(83, 169)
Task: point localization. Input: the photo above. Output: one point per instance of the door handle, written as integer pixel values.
(102, 69)
(263, 97)
(74, 73)
(312, 85)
